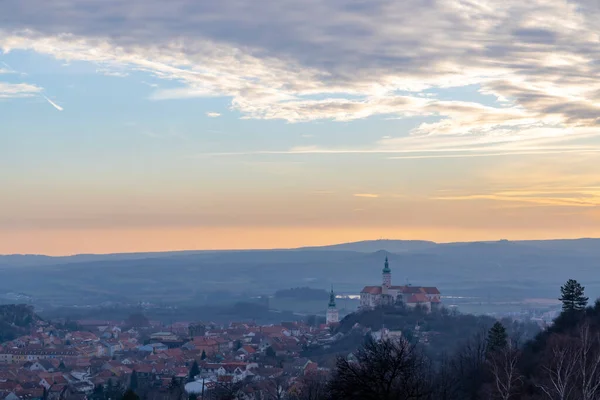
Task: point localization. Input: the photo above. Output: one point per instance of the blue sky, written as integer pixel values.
(197, 124)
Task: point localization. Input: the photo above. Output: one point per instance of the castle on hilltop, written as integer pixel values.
(386, 294)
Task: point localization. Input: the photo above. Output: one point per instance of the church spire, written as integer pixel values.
(386, 267)
(387, 277)
(331, 298)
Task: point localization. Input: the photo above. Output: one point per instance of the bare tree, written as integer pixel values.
(446, 386)
(226, 390)
(469, 367)
(506, 377)
(276, 388)
(382, 370)
(589, 362)
(558, 369)
(312, 387)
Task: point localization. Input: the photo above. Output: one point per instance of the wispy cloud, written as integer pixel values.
(53, 104)
(18, 90)
(367, 195)
(541, 199)
(213, 114)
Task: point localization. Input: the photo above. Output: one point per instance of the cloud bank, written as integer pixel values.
(334, 60)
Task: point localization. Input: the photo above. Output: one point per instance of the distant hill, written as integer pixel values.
(369, 246)
(500, 271)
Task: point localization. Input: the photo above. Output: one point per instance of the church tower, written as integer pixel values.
(332, 312)
(387, 277)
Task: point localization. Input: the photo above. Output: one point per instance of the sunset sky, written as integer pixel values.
(183, 124)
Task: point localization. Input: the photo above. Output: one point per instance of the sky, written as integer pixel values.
(129, 125)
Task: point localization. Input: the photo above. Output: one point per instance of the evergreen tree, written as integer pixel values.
(270, 352)
(130, 395)
(572, 296)
(497, 337)
(62, 366)
(193, 396)
(194, 371)
(238, 345)
(203, 356)
(133, 381)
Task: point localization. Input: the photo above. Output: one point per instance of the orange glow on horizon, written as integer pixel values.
(67, 242)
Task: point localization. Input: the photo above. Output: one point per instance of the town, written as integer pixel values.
(58, 363)
(82, 359)
(99, 359)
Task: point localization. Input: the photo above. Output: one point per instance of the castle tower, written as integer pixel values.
(332, 311)
(387, 277)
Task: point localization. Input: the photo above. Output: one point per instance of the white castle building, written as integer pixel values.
(387, 294)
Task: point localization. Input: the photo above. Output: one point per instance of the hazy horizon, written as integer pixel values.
(152, 247)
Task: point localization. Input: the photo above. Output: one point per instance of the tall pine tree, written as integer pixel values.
(497, 338)
(133, 381)
(194, 372)
(572, 296)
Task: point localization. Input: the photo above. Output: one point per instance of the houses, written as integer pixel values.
(246, 352)
(153, 348)
(70, 364)
(108, 347)
(44, 365)
(21, 355)
(209, 346)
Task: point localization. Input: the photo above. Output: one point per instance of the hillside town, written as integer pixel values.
(98, 359)
(56, 363)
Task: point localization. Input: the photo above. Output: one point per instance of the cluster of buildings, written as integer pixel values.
(57, 364)
(428, 297)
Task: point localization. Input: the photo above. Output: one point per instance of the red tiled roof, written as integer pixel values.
(418, 298)
(272, 329)
(411, 289)
(143, 368)
(249, 349)
(431, 290)
(372, 289)
(202, 341)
